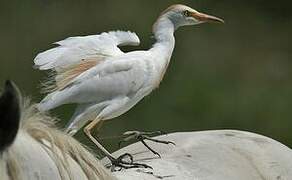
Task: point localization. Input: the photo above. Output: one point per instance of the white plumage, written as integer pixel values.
(74, 49)
(104, 81)
(112, 77)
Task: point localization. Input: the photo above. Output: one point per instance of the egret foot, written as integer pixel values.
(141, 136)
(120, 163)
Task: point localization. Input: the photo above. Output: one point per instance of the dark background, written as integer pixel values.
(232, 76)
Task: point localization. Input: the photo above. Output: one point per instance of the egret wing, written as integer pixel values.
(76, 55)
(74, 50)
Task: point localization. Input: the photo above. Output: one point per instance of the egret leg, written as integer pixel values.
(116, 162)
(87, 131)
(141, 136)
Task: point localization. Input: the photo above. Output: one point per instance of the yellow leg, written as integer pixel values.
(115, 162)
(87, 130)
(98, 125)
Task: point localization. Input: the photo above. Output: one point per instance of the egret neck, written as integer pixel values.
(163, 30)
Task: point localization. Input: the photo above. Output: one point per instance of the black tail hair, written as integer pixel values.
(9, 114)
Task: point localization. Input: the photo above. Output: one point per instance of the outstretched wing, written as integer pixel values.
(76, 55)
(75, 49)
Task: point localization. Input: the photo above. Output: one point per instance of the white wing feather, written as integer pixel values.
(98, 84)
(74, 49)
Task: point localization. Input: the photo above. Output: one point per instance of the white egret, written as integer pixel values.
(106, 82)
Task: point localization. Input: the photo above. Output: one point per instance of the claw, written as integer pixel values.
(120, 163)
(141, 136)
(159, 141)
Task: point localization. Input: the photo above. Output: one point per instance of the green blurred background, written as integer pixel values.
(232, 76)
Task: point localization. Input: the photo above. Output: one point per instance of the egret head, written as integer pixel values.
(181, 15)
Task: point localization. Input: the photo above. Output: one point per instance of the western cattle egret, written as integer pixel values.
(106, 82)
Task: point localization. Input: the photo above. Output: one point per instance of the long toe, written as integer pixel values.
(159, 141)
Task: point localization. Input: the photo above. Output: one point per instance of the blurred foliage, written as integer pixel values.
(232, 76)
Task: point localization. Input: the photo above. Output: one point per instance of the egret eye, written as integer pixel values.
(186, 13)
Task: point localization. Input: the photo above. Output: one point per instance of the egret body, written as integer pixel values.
(106, 82)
